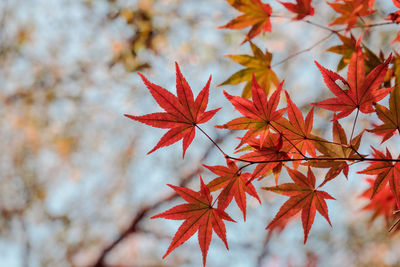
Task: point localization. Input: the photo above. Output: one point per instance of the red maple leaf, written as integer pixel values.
(234, 184)
(182, 114)
(395, 17)
(302, 8)
(199, 215)
(359, 92)
(351, 10)
(385, 171)
(303, 197)
(258, 114)
(255, 14)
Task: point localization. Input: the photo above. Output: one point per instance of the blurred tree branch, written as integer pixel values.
(144, 211)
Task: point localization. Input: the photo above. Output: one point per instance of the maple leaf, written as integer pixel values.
(268, 149)
(182, 114)
(346, 49)
(302, 8)
(255, 14)
(234, 184)
(359, 92)
(258, 113)
(199, 215)
(303, 197)
(385, 171)
(382, 204)
(390, 117)
(394, 17)
(339, 148)
(296, 130)
(351, 10)
(258, 65)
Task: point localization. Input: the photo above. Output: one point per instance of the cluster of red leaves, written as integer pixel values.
(395, 17)
(277, 136)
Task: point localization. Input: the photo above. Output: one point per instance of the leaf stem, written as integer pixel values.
(354, 125)
(290, 142)
(321, 26)
(214, 143)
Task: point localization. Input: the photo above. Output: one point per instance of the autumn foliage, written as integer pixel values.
(272, 138)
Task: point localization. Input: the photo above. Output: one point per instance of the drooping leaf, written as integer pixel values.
(303, 197)
(339, 148)
(258, 113)
(268, 149)
(255, 15)
(346, 49)
(199, 215)
(296, 130)
(351, 10)
(258, 65)
(182, 114)
(302, 8)
(390, 117)
(359, 91)
(383, 203)
(234, 184)
(384, 171)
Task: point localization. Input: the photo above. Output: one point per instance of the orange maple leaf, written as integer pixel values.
(351, 10)
(255, 14)
(390, 117)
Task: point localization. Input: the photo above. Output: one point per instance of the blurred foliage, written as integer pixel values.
(146, 34)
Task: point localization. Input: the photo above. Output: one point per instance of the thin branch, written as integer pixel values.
(320, 26)
(298, 150)
(394, 225)
(315, 159)
(327, 37)
(264, 250)
(370, 25)
(304, 50)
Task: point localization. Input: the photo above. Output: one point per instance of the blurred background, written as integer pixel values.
(76, 185)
